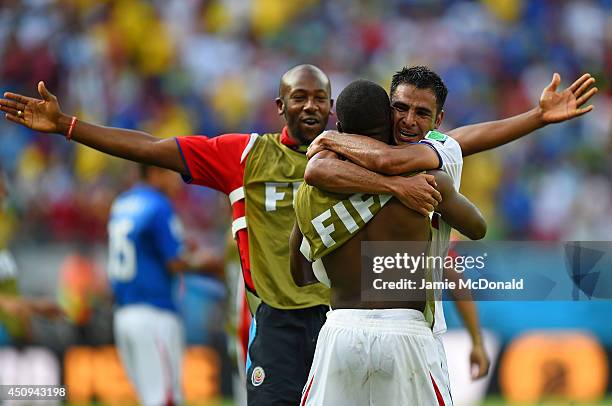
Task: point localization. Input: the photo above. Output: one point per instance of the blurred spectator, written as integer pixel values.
(15, 310)
(80, 286)
(178, 67)
(212, 66)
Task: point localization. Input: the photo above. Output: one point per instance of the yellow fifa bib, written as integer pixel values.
(328, 220)
(272, 175)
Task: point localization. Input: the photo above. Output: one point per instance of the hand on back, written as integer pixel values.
(417, 192)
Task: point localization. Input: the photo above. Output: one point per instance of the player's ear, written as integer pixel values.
(439, 119)
(280, 106)
(331, 107)
(339, 126)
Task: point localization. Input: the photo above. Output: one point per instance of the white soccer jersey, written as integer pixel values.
(451, 156)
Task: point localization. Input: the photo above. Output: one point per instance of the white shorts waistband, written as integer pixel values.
(402, 321)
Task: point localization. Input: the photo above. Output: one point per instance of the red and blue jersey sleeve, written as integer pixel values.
(219, 163)
(214, 162)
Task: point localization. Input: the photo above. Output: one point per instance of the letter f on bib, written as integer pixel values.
(272, 196)
(324, 231)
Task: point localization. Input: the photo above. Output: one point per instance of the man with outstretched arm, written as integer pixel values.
(225, 163)
(259, 173)
(417, 100)
(413, 122)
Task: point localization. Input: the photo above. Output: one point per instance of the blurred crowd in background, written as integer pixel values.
(178, 67)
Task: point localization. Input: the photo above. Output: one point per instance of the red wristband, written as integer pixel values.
(73, 121)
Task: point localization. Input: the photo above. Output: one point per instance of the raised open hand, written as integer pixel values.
(566, 104)
(38, 114)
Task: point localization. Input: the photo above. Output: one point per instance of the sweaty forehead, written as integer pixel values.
(307, 80)
(413, 96)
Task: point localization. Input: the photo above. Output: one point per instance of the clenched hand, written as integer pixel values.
(417, 192)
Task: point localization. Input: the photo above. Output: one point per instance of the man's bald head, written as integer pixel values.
(304, 100)
(300, 72)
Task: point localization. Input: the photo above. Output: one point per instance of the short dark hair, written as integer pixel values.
(363, 107)
(421, 77)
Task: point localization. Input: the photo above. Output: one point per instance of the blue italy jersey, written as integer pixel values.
(144, 235)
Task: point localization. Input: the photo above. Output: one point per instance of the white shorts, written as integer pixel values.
(151, 342)
(375, 357)
(443, 379)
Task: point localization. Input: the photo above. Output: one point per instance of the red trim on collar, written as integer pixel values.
(287, 140)
(290, 143)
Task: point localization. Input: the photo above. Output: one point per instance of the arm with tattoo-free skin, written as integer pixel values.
(457, 210)
(23, 308)
(45, 115)
(464, 216)
(479, 360)
(376, 155)
(554, 107)
(201, 261)
(462, 297)
(301, 269)
(328, 172)
(379, 157)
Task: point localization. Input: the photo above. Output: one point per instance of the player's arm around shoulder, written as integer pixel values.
(457, 210)
(319, 167)
(375, 155)
(331, 172)
(327, 171)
